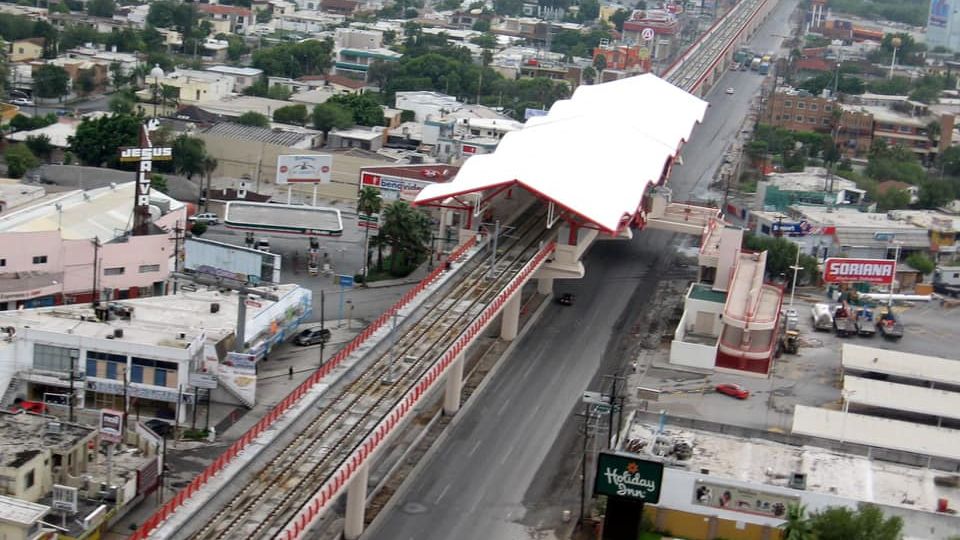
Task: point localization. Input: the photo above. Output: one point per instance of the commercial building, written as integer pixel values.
(150, 356)
(22, 520)
(814, 186)
(77, 244)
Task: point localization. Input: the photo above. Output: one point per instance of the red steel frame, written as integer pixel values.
(339, 480)
(240, 444)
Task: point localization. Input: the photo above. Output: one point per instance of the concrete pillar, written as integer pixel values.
(545, 285)
(510, 319)
(451, 397)
(356, 503)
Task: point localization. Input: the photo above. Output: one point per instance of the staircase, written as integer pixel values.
(227, 384)
(16, 386)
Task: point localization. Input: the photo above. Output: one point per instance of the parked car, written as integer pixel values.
(22, 101)
(733, 390)
(262, 244)
(208, 217)
(160, 427)
(730, 91)
(313, 336)
(565, 299)
(36, 407)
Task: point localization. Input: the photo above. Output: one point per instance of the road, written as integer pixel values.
(508, 466)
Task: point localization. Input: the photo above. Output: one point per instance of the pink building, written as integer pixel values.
(59, 249)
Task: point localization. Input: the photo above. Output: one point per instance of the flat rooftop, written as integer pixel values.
(13, 510)
(156, 320)
(759, 461)
(901, 364)
(811, 179)
(902, 397)
(283, 218)
(105, 212)
(24, 435)
(851, 217)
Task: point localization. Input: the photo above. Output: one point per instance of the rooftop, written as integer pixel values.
(235, 70)
(58, 132)
(234, 106)
(24, 435)
(811, 179)
(105, 213)
(14, 194)
(885, 114)
(851, 217)
(703, 291)
(361, 133)
(285, 137)
(901, 364)
(20, 512)
(155, 321)
(902, 397)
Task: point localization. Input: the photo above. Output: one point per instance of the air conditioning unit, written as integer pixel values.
(118, 333)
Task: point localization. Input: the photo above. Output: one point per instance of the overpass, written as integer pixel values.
(604, 198)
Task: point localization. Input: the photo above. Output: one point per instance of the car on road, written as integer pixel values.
(730, 90)
(262, 244)
(208, 218)
(733, 390)
(565, 299)
(160, 427)
(22, 101)
(312, 336)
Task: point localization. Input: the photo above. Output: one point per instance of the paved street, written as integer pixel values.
(509, 465)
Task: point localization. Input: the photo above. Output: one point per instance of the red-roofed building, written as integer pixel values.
(623, 57)
(342, 7)
(237, 18)
(662, 23)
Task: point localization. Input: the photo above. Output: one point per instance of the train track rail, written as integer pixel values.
(280, 489)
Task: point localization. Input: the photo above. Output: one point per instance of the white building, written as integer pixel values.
(943, 26)
(198, 86)
(426, 104)
(243, 77)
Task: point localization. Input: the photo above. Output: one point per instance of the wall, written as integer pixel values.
(32, 244)
(41, 478)
(698, 527)
(130, 255)
(684, 353)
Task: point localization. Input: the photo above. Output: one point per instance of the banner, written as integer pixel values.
(739, 499)
(880, 271)
(304, 169)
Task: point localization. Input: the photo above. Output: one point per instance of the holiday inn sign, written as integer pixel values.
(629, 477)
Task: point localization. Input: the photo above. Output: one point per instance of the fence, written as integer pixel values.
(234, 449)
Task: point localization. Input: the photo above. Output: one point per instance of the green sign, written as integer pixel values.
(628, 476)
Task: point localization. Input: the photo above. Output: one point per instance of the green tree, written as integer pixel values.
(407, 232)
(294, 60)
(19, 160)
(40, 145)
(189, 154)
(619, 17)
(327, 116)
(279, 92)
(950, 161)
(781, 254)
(797, 526)
(209, 165)
(589, 11)
(921, 262)
(26, 123)
(508, 7)
(934, 194)
(600, 63)
(85, 82)
(893, 199)
(370, 203)
(159, 183)
(97, 141)
(365, 108)
(893, 163)
(117, 77)
(264, 16)
(589, 74)
(51, 81)
(122, 102)
(101, 8)
(253, 118)
(291, 114)
(866, 523)
(481, 25)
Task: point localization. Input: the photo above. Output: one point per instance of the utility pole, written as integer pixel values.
(177, 230)
(583, 466)
(612, 398)
(96, 257)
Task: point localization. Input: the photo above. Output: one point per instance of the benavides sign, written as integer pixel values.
(628, 476)
(859, 270)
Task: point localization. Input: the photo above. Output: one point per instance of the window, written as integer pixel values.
(160, 377)
(906, 129)
(799, 118)
(3, 262)
(811, 120)
(813, 106)
(828, 108)
(147, 268)
(115, 271)
(50, 358)
(765, 229)
(826, 121)
(801, 105)
(29, 479)
(41, 259)
(136, 374)
(787, 104)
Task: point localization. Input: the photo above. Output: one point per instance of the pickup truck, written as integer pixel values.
(889, 326)
(843, 323)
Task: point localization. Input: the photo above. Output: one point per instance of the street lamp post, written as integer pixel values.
(796, 268)
(157, 74)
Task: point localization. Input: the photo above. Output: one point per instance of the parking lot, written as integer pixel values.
(811, 377)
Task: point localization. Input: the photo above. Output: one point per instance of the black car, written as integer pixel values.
(160, 427)
(565, 299)
(313, 336)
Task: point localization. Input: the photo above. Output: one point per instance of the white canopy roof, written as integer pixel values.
(594, 154)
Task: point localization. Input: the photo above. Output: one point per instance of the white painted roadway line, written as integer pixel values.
(507, 455)
(474, 449)
(504, 406)
(442, 493)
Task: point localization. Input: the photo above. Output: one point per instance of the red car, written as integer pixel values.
(733, 390)
(29, 406)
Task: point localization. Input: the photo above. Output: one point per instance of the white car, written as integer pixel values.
(730, 90)
(23, 101)
(209, 218)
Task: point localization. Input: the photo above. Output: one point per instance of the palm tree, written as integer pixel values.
(369, 203)
(209, 164)
(797, 525)
(407, 231)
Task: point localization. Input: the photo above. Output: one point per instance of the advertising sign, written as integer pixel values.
(64, 498)
(393, 187)
(749, 501)
(217, 259)
(837, 270)
(203, 380)
(939, 13)
(647, 34)
(304, 169)
(241, 361)
(111, 425)
(628, 476)
(800, 228)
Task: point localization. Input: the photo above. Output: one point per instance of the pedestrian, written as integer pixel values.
(290, 372)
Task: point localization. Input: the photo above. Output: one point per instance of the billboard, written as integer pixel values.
(738, 499)
(628, 476)
(393, 187)
(304, 169)
(836, 270)
(939, 13)
(217, 259)
(111, 425)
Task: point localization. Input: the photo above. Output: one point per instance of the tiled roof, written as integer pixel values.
(250, 133)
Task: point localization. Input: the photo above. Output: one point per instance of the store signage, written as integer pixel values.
(393, 187)
(135, 390)
(145, 157)
(749, 501)
(838, 270)
(111, 425)
(628, 476)
(304, 169)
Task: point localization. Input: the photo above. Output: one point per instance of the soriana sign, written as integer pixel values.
(859, 270)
